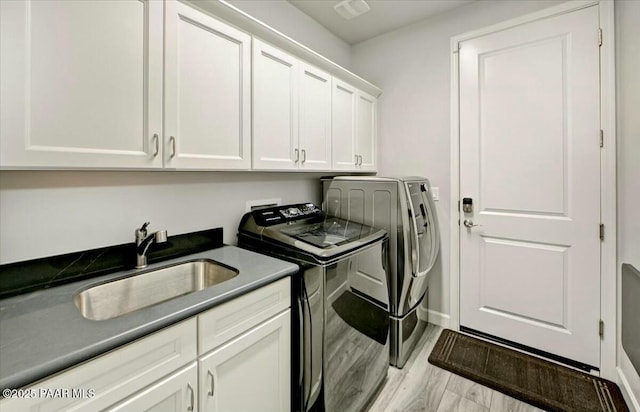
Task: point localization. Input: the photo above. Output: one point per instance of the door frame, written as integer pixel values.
(608, 195)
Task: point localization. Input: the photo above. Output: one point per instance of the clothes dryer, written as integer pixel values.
(404, 207)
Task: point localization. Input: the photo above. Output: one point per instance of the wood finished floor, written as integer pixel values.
(420, 386)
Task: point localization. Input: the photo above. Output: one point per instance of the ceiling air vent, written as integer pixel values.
(349, 9)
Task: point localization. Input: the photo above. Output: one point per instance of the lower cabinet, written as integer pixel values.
(250, 373)
(176, 392)
(110, 378)
(233, 357)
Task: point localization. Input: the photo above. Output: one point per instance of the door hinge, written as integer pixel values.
(601, 231)
(601, 138)
(601, 328)
(599, 37)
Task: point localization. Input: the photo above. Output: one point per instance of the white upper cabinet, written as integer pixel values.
(81, 84)
(146, 84)
(208, 95)
(275, 108)
(291, 112)
(366, 131)
(354, 124)
(344, 126)
(315, 118)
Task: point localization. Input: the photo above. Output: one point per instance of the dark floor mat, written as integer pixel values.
(538, 382)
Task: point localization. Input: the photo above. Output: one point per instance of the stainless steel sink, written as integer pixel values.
(122, 296)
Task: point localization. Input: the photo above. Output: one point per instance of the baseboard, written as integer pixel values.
(432, 316)
(623, 383)
(629, 383)
(438, 318)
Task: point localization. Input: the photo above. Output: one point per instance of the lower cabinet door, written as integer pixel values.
(251, 372)
(176, 392)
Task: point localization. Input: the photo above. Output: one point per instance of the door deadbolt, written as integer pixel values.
(467, 205)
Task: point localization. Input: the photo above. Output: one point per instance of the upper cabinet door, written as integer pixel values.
(81, 84)
(208, 95)
(344, 126)
(366, 131)
(275, 108)
(315, 118)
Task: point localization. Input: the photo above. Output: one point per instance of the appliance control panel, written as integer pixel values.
(287, 213)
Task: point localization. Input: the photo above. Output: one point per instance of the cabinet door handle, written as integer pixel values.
(360, 161)
(156, 141)
(304, 155)
(212, 387)
(356, 163)
(191, 397)
(172, 140)
(297, 155)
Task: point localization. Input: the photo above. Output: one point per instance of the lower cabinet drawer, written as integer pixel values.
(232, 318)
(109, 378)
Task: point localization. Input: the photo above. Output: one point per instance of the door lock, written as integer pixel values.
(467, 205)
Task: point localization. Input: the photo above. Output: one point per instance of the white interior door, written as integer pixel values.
(530, 161)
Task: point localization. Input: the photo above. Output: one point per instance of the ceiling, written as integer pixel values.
(384, 16)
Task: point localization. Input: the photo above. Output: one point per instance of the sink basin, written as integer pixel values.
(122, 296)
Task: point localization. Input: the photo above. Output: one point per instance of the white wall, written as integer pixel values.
(44, 213)
(287, 19)
(412, 67)
(628, 133)
(628, 96)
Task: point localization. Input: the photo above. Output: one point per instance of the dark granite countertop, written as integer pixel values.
(42, 332)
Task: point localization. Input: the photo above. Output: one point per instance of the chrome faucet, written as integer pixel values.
(143, 242)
